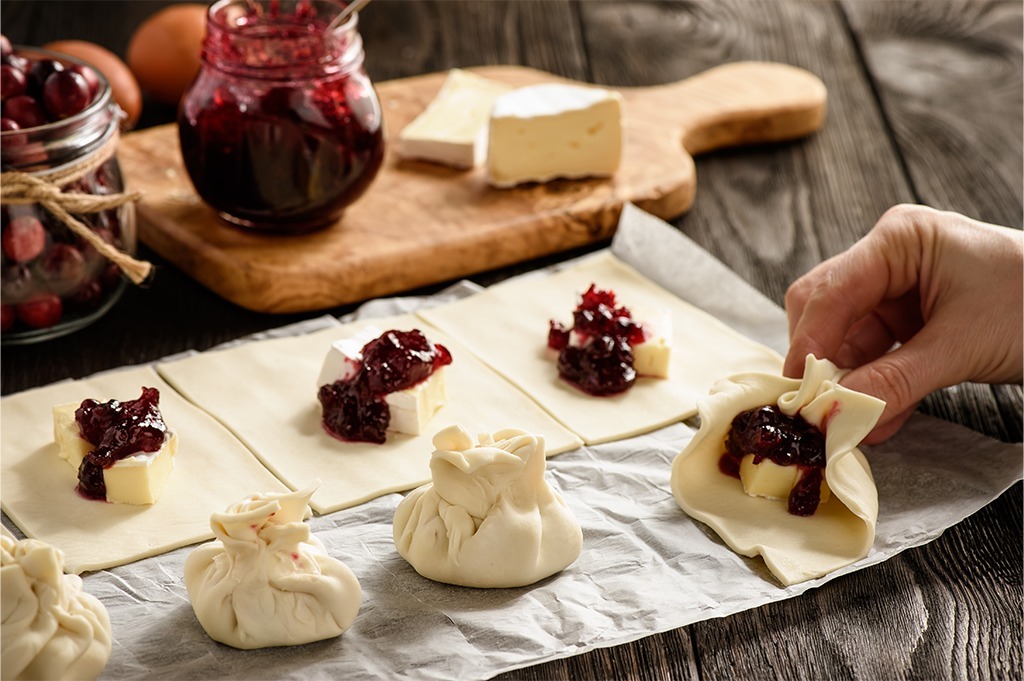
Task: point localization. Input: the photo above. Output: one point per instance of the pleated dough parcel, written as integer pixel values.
(266, 581)
(488, 519)
(795, 548)
(51, 628)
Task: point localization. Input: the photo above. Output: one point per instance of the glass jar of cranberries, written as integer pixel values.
(59, 120)
(281, 129)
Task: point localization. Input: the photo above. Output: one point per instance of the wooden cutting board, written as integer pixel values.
(421, 223)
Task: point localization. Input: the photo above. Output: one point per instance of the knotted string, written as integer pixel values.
(46, 189)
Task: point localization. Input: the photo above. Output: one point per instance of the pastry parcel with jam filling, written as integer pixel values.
(606, 349)
(378, 382)
(776, 471)
(123, 451)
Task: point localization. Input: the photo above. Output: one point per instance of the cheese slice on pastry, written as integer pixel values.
(795, 548)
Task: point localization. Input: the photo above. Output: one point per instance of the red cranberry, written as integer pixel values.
(90, 77)
(41, 311)
(7, 317)
(20, 63)
(39, 72)
(8, 124)
(12, 82)
(24, 238)
(25, 111)
(62, 267)
(65, 93)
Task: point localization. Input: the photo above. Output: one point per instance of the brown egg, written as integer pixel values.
(122, 82)
(164, 51)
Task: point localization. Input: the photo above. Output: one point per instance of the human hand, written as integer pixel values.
(949, 289)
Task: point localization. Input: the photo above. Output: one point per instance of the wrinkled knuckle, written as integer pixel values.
(895, 384)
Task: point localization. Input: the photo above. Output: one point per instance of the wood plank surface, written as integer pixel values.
(948, 610)
(451, 223)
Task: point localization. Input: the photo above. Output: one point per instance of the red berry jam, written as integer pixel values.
(785, 440)
(354, 409)
(282, 128)
(596, 354)
(117, 430)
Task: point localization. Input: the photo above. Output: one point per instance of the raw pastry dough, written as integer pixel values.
(794, 548)
(266, 581)
(278, 416)
(37, 487)
(51, 628)
(507, 325)
(489, 519)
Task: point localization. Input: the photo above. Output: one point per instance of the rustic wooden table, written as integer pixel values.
(925, 106)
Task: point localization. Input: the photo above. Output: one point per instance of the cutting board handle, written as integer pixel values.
(742, 103)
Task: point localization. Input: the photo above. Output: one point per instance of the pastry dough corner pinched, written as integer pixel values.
(795, 547)
(488, 519)
(266, 581)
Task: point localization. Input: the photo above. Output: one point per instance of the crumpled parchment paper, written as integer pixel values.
(645, 567)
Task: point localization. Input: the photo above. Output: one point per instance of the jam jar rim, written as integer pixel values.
(348, 58)
(102, 99)
(82, 133)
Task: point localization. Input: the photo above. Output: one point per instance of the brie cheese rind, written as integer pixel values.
(279, 418)
(794, 548)
(37, 488)
(137, 479)
(266, 581)
(488, 518)
(506, 326)
(554, 130)
(452, 130)
(412, 408)
(52, 628)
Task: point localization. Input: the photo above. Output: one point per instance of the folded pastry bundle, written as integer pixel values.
(805, 499)
(266, 581)
(51, 628)
(488, 519)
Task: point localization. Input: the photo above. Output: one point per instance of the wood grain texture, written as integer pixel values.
(770, 213)
(421, 223)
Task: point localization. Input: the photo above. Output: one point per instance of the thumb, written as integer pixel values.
(902, 378)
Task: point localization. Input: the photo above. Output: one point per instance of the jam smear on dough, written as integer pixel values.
(354, 408)
(117, 430)
(768, 433)
(601, 363)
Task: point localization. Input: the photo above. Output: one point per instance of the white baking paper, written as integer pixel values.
(646, 567)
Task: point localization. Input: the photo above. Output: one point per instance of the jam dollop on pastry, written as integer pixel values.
(124, 452)
(606, 349)
(488, 518)
(777, 456)
(379, 381)
(805, 500)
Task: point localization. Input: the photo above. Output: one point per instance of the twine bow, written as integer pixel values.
(46, 189)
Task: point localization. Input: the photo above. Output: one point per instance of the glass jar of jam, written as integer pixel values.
(63, 140)
(282, 128)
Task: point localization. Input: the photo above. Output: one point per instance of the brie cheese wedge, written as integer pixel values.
(452, 130)
(138, 479)
(542, 132)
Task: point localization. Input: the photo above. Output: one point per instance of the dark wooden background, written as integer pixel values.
(925, 106)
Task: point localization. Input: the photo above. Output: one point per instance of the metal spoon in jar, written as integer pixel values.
(354, 6)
